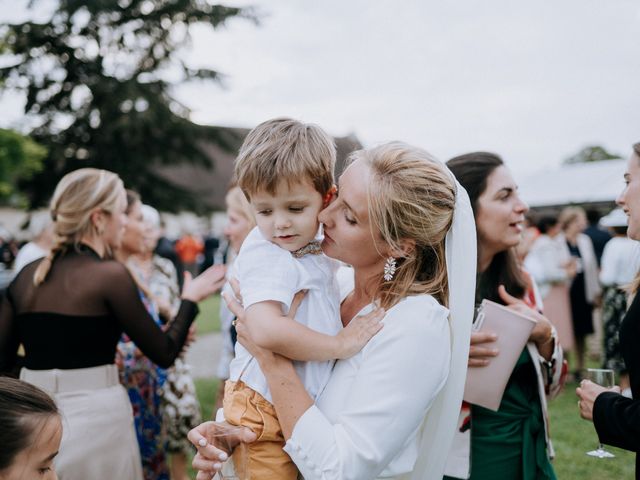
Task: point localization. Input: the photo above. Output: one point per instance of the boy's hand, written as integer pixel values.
(358, 332)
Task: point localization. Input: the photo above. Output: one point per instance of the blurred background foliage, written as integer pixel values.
(20, 159)
(98, 80)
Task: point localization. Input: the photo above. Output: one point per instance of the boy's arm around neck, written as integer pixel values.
(272, 330)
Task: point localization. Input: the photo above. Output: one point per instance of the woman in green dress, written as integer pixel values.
(512, 443)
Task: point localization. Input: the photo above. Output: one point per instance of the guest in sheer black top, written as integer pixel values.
(75, 318)
(69, 309)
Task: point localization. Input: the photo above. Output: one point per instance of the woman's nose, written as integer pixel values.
(620, 199)
(325, 214)
(521, 205)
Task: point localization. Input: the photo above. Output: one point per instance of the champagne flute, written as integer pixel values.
(605, 378)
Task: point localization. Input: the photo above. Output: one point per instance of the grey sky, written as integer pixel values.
(533, 81)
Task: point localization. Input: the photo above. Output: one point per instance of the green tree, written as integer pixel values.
(20, 159)
(593, 153)
(98, 77)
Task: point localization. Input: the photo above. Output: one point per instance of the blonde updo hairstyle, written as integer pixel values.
(411, 196)
(77, 196)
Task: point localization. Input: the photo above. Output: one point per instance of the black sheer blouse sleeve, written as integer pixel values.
(123, 301)
(76, 316)
(8, 337)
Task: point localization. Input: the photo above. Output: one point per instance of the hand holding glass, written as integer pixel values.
(605, 378)
(226, 437)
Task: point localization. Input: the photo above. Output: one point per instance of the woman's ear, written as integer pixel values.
(97, 220)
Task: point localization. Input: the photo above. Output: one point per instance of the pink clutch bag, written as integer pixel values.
(485, 385)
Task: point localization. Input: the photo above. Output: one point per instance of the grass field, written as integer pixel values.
(572, 436)
(208, 320)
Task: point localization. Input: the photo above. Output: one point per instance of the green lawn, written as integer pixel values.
(208, 320)
(572, 437)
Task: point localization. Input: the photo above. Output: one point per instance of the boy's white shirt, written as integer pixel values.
(267, 272)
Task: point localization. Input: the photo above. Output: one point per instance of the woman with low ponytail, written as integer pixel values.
(70, 308)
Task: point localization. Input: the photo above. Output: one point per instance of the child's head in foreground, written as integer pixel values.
(285, 168)
(30, 431)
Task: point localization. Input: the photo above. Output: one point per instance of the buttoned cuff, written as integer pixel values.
(311, 445)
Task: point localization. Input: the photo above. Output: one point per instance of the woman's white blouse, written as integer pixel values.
(366, 420)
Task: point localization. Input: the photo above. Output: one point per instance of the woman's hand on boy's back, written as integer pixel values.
(261, 354)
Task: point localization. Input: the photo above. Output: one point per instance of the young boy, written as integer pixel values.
(285, 168)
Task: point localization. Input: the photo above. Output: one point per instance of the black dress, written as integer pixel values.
(581, 309)
(75, 318)
(617, 418)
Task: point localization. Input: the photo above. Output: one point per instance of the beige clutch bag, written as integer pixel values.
(485, 385)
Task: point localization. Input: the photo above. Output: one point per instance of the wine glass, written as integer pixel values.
(605, 378)
(225, 437)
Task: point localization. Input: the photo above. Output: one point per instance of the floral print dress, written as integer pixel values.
(144, 382)
(181, 406)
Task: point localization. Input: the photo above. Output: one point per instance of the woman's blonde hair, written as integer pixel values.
(77, 196)
(411, 196)
(569, 214)
(633, 287)
(237, 200)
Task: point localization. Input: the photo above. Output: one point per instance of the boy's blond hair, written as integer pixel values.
(285, 149)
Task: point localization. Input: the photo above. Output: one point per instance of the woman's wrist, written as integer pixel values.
(271, 362)
(546, 345)
(545, 340)
(189, 298)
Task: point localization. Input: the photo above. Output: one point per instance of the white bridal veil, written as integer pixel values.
(440, 423)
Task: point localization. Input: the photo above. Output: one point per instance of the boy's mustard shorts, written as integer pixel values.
(266, 458)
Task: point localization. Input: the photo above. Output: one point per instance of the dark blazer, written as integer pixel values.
(617, 418)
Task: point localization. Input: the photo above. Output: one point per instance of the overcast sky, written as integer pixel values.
(532, 81)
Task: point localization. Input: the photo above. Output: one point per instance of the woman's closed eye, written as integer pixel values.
(296, 209)
(350, 220)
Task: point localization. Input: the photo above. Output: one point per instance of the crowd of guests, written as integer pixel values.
(96, 323)
(100, 324)
(583, 265)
